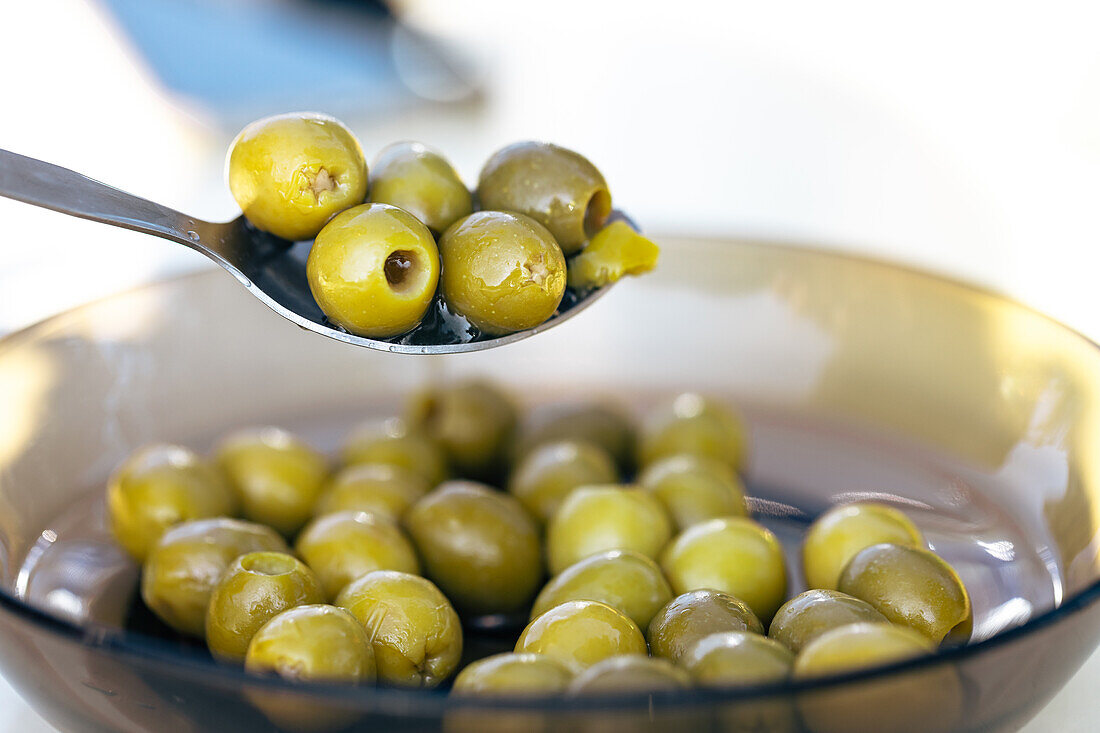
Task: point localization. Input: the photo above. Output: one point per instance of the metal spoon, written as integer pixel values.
(272, 269)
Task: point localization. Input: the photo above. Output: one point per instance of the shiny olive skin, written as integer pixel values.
(160, 486)
(343, 546)
(276, 476)
(555, 186)
(691, 423)
(582, 633)
(291, 173)
(253, 590)
(415, 631)
(373, 270)
(183, 567)
(603, 425)
(419, 180)
(594, 519)
(809, 615)
(911, 586)
(502, 271)
(737, 659)
(381, 489)
(856, 646)
(551, 471)
(614, 251)
(513, 673)
(472, 420)
(393, 442)
(694, 488)
(689, 617)
(625, 580)
(630, 673)
(313, 642)
(479, 545)
(734, 555)
(837, 535)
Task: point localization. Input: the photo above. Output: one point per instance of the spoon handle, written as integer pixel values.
(60, 189)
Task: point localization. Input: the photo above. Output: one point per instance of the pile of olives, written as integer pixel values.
(465, 509)
(387, 240)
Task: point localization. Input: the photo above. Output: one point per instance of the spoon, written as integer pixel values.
(272, 269)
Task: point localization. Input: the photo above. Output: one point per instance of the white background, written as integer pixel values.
(959, 136)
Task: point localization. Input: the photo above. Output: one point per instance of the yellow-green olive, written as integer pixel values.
(694, 488)
(394, 443)
(415, 631)
(809, 615)
(277, 476)
(582, 633)
(291, 173)
(382, 489)
(689, 617)
(628, 581)
(693, 424)
(837, 535)
(737, 659)
(479, 546)
(858, 646)
(252, 591)
(551, 471)
(161, 486)
(513, 673)
(604, 425)
(734, 555)
(630, 673)
(419, 180)
(183, 567)
(913, 587)
(594, 519)
(344, 546)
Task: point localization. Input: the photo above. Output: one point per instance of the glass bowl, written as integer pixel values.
(859, 380)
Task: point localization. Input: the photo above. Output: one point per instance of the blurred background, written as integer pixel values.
(958, 137)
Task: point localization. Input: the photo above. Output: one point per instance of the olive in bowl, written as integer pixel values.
(548, 473)
(581, 633)
(837, 535)
(694, 488)
(809, 615)
(382, 489)
(394, 442)
(471, 420)
(689, 617)
(696, 425)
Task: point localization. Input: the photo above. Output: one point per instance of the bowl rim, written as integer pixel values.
(152, 650)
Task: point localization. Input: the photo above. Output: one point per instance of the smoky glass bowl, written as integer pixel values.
(858, 380)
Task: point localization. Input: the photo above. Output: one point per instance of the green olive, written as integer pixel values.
(927, 700)
(693, 424)
(513, 674)
(502, 271)
(614, 251)
(913, 587)
(630, 673)
(737, 659)
(419, 180)
(473, 422)
(554, 186)
(582, 633)
(343, 546)
(182, 569)
(382, 489)
(551, 471)
(594, 519)
(277, 477)
(394, 443)
(694, 488)
(604, 425)
(625, 580)
(373, 270)
(479, 546)
(253, 590)
(689, 617)
(837, 535)
(291, 173)
(734, 555)
(305, 644)
(415, 631)
(809, 615)
(158, 487)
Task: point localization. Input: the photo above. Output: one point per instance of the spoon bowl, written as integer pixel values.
(272, 269)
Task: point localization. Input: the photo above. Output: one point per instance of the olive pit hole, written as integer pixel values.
(400, 267)
(597, 211)
(268, 563)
